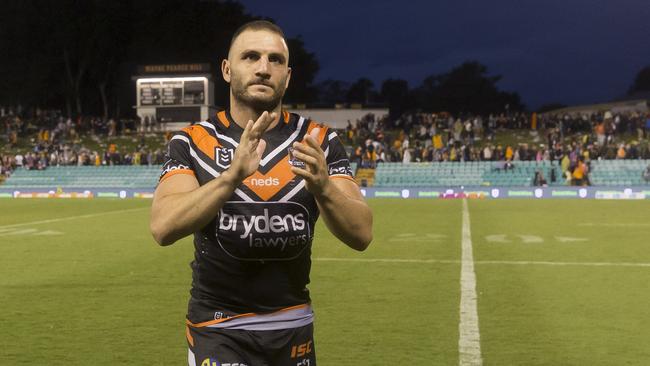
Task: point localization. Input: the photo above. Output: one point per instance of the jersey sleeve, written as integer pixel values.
(177, 158)
(338, 163)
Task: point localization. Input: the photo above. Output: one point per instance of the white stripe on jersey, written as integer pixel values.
(293, 192)
(208, 125)
(219, 136)
(285, 144)
(228, 139)
(331, 136)
(208, 168)
(191, 359)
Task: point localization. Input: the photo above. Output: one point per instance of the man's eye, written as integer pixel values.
(251, 56)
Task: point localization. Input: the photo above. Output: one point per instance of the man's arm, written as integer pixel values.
(344, 210)
(181, 207)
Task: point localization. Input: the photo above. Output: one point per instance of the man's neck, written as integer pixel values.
(241, 114)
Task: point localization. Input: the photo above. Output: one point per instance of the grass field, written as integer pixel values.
(558, 282)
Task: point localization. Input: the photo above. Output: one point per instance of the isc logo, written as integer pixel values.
(301, 350)
(265, 182)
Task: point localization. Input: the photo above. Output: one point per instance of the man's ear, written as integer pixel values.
(225, 70)
(286, 84)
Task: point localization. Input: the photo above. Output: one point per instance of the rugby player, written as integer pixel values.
(250, 185)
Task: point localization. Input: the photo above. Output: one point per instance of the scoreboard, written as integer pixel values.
(172, 91)
(175, 93)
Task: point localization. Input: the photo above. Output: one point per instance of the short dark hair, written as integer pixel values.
(256, 25)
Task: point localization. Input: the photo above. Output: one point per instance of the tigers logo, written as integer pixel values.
(293, 160)
(224, 157)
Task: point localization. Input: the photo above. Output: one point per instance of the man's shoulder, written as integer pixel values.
(296, 119)
(307, 124)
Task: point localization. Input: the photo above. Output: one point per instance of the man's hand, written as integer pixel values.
(315, 172)
(251, 147)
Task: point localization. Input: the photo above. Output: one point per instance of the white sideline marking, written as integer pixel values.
(469, 341)
(72, 217)
(517, 263)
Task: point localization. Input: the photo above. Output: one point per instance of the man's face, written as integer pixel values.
(257, 69)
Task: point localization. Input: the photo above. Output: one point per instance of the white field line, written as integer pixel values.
(379, 260)
(469, 341)
(72, 217)
(446, 261)
(615, 224)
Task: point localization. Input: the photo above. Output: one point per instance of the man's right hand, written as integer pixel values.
(251, 147)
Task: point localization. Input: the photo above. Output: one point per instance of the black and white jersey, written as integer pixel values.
(254, 256)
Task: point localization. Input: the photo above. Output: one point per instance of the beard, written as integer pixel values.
(257, 103)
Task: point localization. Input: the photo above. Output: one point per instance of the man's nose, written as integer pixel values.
(263, 68)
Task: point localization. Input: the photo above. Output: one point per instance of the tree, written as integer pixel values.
(332, 91)
(304, 67)
(81, 54)
(362, 92)
(641, 81)
(395, 93)
(550, 107)
(466, 88)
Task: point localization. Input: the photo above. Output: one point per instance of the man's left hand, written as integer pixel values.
(315, 172)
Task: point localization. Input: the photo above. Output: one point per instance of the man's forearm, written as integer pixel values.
(349, 219)
(180, 214)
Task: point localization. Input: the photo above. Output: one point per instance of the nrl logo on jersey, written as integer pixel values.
(224, 156)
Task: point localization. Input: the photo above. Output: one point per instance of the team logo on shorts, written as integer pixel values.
(224, 157)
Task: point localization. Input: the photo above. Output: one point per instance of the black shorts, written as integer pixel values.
(233, 347)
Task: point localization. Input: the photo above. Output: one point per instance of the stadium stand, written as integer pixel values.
(416, 150)
(387, 175)
(619, 172)
(119, 176)
(488, 173)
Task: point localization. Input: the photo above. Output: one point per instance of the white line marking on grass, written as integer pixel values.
(412, 237)
(586, 264)
(566, 239)
(48, 233)
(469, 341)
(379, 260)
(73, 217)
(517, 263)
(18, 232)
(497, 238)
(614, 224)
(531, 239)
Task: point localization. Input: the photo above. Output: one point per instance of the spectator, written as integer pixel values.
(539, 180)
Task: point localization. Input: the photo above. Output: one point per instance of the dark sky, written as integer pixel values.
(569, 51)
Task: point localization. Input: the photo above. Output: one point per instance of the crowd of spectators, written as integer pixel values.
(570, 140)
(54, 140)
